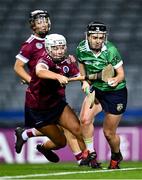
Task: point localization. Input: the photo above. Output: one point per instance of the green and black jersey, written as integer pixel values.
(95, 63)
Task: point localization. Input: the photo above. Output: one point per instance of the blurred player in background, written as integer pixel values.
(33, 47)
(31, 50)
(94, 53)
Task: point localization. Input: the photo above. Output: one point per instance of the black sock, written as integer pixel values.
(116, 156)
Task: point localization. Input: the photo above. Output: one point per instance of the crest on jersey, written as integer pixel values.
(39, 45)
(65, 69)
(119, 107)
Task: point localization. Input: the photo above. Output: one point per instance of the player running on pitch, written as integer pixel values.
(31, 50)
(95, 53)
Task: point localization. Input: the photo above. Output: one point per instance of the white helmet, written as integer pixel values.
(54, 40)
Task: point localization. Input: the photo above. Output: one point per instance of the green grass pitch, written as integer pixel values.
(129, 170)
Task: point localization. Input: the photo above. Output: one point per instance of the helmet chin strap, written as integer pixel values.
(42, 34)
(94, 49)
(57, 60)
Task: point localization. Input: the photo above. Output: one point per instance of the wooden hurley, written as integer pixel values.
(104, 75)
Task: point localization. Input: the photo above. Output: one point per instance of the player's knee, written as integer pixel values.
(76, 131)
(85, 121)
(62, 142)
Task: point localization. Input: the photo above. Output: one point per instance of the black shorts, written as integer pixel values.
(114, 102)
(39, 118)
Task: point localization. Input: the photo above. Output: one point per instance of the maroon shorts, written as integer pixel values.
(39, 118)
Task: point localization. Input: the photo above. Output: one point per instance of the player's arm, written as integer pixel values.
(85, 84)
(42, 71)
(117, 63)
(82, 69)
(20, 70)
(120, 76)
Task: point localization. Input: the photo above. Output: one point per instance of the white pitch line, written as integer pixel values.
(104, 170)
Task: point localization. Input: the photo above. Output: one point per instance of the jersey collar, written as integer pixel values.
(38, 38)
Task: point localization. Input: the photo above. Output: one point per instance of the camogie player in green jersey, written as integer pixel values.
(94, 54)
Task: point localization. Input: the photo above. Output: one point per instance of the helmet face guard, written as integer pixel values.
(39, 15)
(97, 29)
(55, 41)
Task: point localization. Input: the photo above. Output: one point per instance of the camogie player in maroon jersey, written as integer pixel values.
(33, 47)
(31, 50)
(45, 103)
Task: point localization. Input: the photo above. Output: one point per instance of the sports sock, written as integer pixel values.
(116, 156)
(78, 156)
(28, 133)
(89, 144)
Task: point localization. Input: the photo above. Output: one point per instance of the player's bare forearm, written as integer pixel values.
(120, 76)
(114, 81)
(47, 74)
(21, 72)
(82, 69)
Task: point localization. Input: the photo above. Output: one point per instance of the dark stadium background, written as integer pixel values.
(70, 18)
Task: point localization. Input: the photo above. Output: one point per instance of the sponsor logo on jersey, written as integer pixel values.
(39, 45)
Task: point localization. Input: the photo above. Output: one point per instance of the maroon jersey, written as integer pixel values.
(47, 93)
(31, 51)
